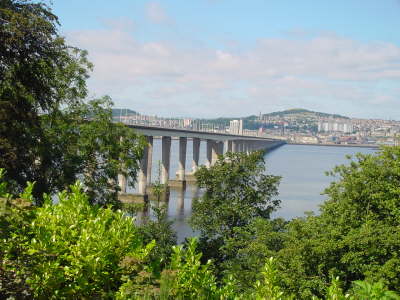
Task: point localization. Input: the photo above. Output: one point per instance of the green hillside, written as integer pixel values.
(304, 112)
(116, 112)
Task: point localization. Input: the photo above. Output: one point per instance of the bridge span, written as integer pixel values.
(217, 143)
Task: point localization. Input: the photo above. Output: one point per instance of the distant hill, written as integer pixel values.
(301, 111)
(116, 112)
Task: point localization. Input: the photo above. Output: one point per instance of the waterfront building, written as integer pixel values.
(236, 127)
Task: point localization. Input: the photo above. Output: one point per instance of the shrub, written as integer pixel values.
(75, 250)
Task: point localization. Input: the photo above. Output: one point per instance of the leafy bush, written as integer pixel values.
(75, 250)
(356, 236)
(239, 191)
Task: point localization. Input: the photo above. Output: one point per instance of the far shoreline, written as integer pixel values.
(338, 145)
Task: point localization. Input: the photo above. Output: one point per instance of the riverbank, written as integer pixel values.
(339, 145)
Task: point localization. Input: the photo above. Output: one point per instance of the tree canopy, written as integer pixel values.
(39, 72)
(236, 192)
(356, 236)
(49, 133)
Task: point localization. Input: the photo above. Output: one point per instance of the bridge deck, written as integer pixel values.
(159, 131)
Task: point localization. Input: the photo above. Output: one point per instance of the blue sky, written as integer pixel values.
(208, 58)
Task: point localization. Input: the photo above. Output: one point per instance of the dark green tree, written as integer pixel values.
(236, 192)
(38, 73)
(357, 234)
(250, 247)
(48, 134)
(83, 143)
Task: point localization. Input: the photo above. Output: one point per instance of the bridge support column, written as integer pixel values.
(196, 154)
(209, 153)
(182, 158)
(165, 159)
(142, 178)
(214, 153)
(149, 159)
(235, 146)
(229, 146)
(180, 182)
(239, 146)
(220, 148)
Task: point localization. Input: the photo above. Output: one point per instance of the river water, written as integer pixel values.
(302, 168)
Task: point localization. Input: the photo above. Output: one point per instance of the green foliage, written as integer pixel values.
(39, 72)
(270, 287)
(73, 249)
(15, 218)
(159, 230)
(187, 278)
(364, 290)
(356, 236)
(335, 292)
(238, 191)
(45, 132)
(251, 244)
(85, 144)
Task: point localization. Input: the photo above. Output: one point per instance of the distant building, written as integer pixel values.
(308, 139)
(335, 126)
(236, 127)
(187, 122)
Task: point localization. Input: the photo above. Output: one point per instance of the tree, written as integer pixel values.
(38, 72)
(70, 249)
(252, 244)
(236, 192)
(48, 134)
(356, 236)
(82, 142)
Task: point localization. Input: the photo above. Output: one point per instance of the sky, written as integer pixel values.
(234, 58)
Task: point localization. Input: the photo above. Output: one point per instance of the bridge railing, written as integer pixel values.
(194, 125)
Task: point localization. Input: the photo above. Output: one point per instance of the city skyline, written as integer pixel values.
(211, 58)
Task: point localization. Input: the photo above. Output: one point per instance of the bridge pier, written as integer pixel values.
(220, 148)
(196, 154)
(214, 153)
(165, 159)
(182, 158)
(149, 158)
(240, 146)
(181, 182)
(229, 145)
(209, 153)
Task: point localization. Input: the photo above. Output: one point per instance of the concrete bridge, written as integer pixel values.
(216, 144)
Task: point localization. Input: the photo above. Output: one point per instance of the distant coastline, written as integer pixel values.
(338, 145)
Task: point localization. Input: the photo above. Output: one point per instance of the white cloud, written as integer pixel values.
(326, 72)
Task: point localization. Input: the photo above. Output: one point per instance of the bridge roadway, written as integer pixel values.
(217, 144)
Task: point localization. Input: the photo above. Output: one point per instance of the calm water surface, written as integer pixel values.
(303, 179)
